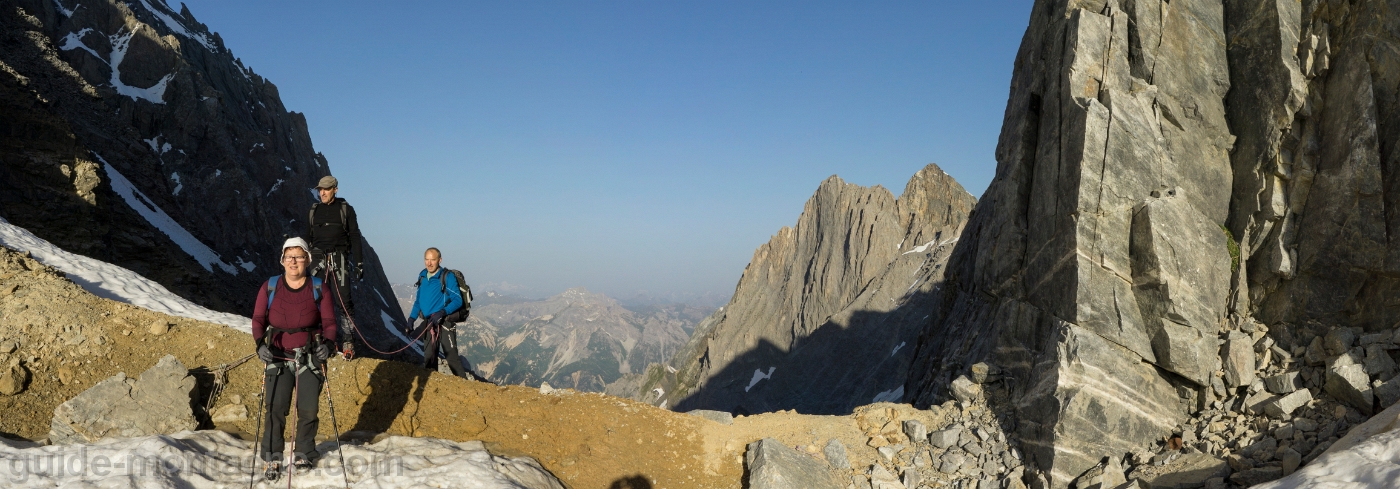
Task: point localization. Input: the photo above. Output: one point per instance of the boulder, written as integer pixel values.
(773, 465)
(156, 403)
(1339, 341)
(1238, 360)
(229, 413)
(1378, 362)
(964, 390)
(880, 478)
(983, 372)
(1387, 392)
(947, 437)
(1282, 407)
(1349, 383)
(13, 379)
(836, 456)
(915, 430)
(1315, 354)
(720, 417)
(1106, 476)
(1282, 383)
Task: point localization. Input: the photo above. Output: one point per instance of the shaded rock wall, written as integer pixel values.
(1169, 171)
(140, 90)
(825, 314)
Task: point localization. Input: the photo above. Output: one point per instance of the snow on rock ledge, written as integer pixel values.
(113, 282)
(215, 459)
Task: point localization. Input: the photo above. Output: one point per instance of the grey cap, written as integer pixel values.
(328, 182)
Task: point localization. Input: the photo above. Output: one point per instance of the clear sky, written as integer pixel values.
(623, 146)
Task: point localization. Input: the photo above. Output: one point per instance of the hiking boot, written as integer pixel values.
(303, 463)
(348, 350)
(272, 471)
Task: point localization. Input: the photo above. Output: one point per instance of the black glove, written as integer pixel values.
(436, 318)
(360, 272)
(265, 353)
(323, 349)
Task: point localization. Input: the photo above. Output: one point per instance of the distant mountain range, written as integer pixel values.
(577, 339)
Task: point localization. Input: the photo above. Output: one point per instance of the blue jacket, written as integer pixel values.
(430, 298)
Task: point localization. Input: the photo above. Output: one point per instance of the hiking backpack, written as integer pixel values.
(466, 290)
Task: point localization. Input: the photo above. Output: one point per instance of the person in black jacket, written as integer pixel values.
(335, 244)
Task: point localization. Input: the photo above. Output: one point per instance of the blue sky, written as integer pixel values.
(616, 145)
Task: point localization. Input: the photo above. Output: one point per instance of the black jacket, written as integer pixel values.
(332, 227)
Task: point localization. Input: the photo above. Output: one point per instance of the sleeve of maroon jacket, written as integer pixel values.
(328, 326)
(260, 313)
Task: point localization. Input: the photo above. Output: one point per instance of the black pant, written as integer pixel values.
(338, 283)
(444, 337)
(282, 383)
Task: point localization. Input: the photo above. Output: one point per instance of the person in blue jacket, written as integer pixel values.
(438, 296)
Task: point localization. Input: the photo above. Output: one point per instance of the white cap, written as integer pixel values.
(296, 243)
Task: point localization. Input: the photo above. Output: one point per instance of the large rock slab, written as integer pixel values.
(1181, 272)
(156, 403)
(773, 465)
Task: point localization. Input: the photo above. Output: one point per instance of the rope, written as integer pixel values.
(331, 264)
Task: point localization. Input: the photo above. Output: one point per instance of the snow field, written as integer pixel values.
(215, 459)
(162, 221)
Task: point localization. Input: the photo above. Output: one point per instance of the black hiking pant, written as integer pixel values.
(339, 284)
(282, 384)
(444, 337)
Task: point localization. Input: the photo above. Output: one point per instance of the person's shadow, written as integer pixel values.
(390, 386)
(638, 481)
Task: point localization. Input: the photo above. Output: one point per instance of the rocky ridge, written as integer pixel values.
(856, 279)
(132, 135)
(577, 339)
(1190, 198)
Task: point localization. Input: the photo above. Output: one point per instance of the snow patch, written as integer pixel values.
(384, 316)
(207, 459)
(246, 265)
(74, 40)
(896, 395)
(1371, 463)
(66, 12)
(217, 173)
(162, 221)
(274, 187)
(178, 185)
(659, 391)
(177, 27)
(154, 94)
(896, 349)
(759, 375)
(109, 281)
(930, 245)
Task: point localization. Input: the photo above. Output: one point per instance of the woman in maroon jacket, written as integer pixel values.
(298, 320)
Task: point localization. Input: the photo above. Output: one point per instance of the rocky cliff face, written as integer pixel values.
(825, 316)
(1169, 175)
(577, 339)
(132, 135)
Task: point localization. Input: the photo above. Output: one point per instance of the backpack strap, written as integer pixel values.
(444, 281)
(311, 217)
(344, 225)
(271, 290)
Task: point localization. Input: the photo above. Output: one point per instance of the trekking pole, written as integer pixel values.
(257, 438)
(330, 402)
(296, 417)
